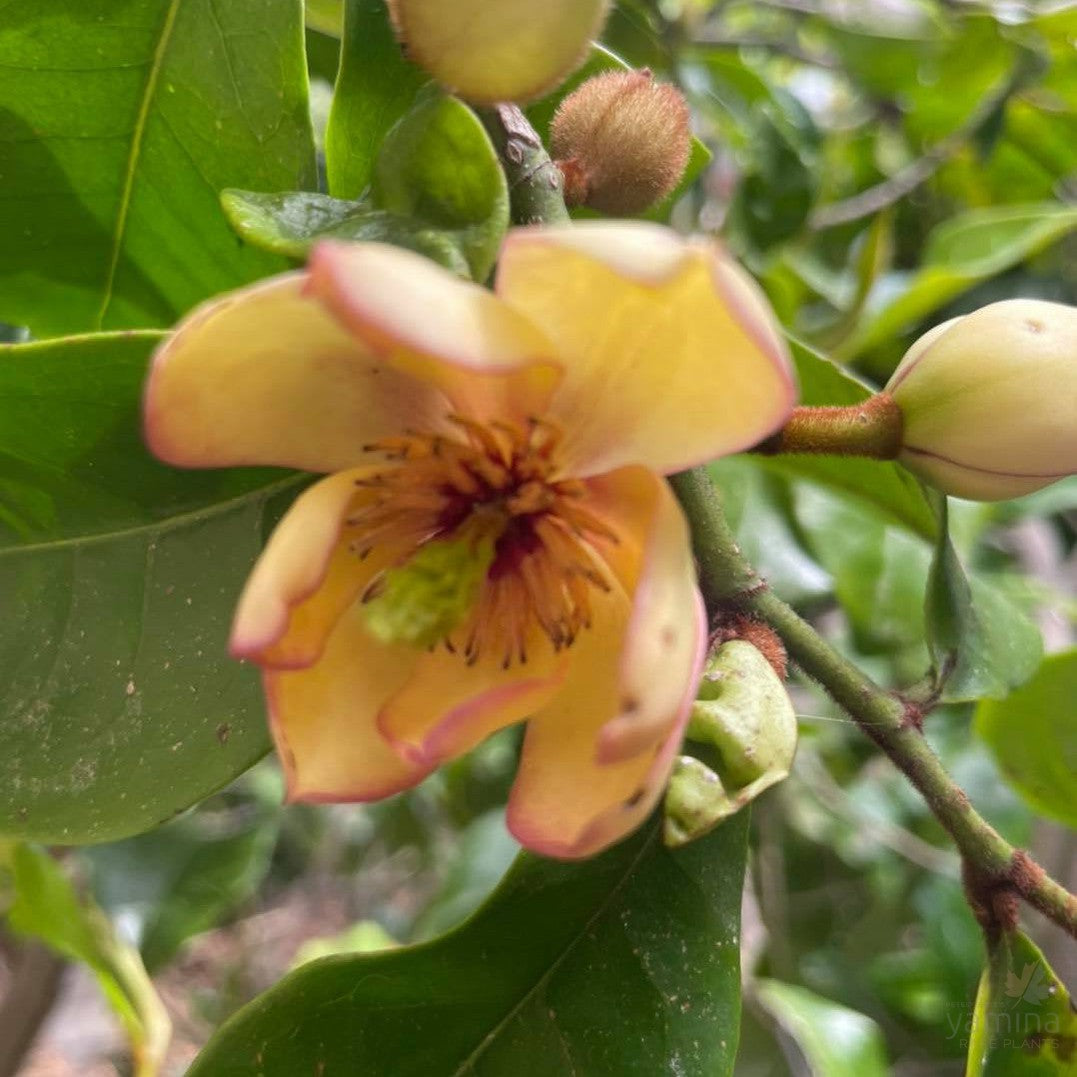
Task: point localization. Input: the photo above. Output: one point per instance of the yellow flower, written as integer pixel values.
(494, 540)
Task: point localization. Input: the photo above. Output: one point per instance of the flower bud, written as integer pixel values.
(744, 715)
(622, 142)
(989, 400)
(498, 50)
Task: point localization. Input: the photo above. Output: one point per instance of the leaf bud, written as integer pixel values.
(622, 142)
(487, 51)
(989, 400)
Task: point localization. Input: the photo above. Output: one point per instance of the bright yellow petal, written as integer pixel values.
(498, 50)
(266, 375)
(305, 578)
(565, 802)
(323, 718)
(448, 706)
(671, 353)
(488, 360)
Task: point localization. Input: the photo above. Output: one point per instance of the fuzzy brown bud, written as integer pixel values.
(622, 142)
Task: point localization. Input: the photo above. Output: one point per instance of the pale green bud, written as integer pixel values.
(421, 601)
(488, 51)
(744, 714)
(989, 400)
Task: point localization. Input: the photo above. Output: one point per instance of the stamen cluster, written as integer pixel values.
(491, 483)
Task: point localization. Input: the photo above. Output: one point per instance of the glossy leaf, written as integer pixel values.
(963, 251)
(836, 1041)
(46, 907)
(1033, 733)
(982, 644)
(375, 87)
(439, 190)
(885, 486)
(621, 966)
(120, 122)
(1024, 1023)
(117, 578)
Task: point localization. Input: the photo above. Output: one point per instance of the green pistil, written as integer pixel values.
(423, 600)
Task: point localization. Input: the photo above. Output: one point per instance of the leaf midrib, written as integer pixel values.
(158, 527)
(138, 136)
(468, 1064)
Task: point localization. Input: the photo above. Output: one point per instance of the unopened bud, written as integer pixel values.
(989, 400)
(488, 51)
(622, 142)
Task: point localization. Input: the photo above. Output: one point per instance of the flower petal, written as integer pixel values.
(654, 564)
(671, 354)
(323, 718)
(305, 578)
(489, 360)
(448, 706)
(266, 375)
(566, 804)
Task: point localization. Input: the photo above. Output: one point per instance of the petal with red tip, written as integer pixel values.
(653, 563)
(324, 718)
(565, 802)
(449, 706)
(490, 361)
(305, 578)
(266, 375)
(671, 354)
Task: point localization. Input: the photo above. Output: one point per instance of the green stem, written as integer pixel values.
(536, 188)
(993, 867)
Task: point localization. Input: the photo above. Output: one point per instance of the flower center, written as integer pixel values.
(498, 544)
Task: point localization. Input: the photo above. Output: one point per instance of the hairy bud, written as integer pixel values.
(488, 51)
(989, 400)
(622, 142)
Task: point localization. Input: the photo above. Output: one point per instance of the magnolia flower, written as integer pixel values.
(989, 400)
(494, 540)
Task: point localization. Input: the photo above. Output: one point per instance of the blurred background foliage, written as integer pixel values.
(881, 165)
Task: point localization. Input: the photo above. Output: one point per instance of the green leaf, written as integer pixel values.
(375, 87)
(325, 16)
(290, 223)
(1033, 734)
(836, 1041)
(46, 906)
(1024, 1023)
(982, 644)
(619, 966)
(119, 125)
(883, 485)
(184, 877)
(439, 190)
(775, 196)
(963, 251)
(438, 165)
(117, 578)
